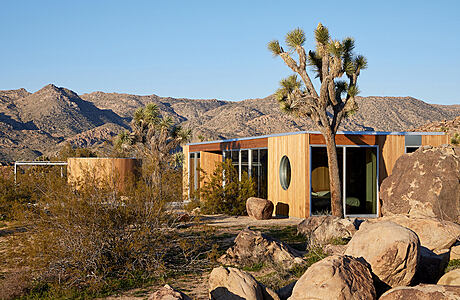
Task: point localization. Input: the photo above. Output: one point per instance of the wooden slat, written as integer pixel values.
(345, 139)
(245, 144)
(293, 200)
(435, 140)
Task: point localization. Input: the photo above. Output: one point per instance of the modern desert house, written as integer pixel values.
(291, 169)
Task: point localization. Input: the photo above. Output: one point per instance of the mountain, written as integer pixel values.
(33, 124)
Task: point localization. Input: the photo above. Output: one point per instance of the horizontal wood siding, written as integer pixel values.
(292, 201)
(348, 139)
(219, 146)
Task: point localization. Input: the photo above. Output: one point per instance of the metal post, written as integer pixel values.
(249, 163)
(15, 172)
(239, 165)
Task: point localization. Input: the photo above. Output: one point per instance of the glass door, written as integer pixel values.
(361, 181)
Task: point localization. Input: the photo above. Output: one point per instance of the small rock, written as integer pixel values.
(234, 284)
(423, 291)
(335, 277)
(168, 293)
(259, 209)
(391, 250)
(451, 278)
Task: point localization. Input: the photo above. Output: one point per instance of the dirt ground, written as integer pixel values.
(196, 285)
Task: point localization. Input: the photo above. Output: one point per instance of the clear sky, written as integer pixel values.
(217, 49)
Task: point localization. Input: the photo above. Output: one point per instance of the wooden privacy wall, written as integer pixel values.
(391, 147)
(435, 140)
(185, 184)
(113, 172)
(295, 200)
(209, 163)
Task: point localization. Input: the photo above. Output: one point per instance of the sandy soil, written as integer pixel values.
(196, 286)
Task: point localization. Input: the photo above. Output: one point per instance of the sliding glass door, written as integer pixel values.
(358, 165)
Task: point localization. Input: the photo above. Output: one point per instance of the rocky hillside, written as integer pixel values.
(451, 127)
(32, 124)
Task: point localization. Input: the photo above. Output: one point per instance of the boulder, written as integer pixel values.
(259, 209)
(234, 284)
(168, 293)
(335, 277)
(423, 292)
(434, 234)
(451, 278)
(425, 182)
(455, 252)
(391, 250)
(322, 230)
(255, 247)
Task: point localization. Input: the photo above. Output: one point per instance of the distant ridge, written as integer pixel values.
(33, 124)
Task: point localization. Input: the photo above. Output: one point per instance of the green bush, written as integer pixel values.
(223, 193)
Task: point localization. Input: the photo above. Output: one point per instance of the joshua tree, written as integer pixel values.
(154, 138)
(331, 60)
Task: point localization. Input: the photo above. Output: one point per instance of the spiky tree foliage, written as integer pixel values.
(154, 138)
(331, 61)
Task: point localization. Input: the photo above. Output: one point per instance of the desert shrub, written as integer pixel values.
(223, 193)
(455, 140)
(67, 151)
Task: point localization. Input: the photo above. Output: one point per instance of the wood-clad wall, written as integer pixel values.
(185, 184)
(295, 200)
(391, 147)
(209, 163)
(435, 140)
(102, 171)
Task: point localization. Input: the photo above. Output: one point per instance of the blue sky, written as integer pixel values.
(217, 49)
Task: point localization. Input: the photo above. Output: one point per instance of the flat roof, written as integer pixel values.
(317, 132)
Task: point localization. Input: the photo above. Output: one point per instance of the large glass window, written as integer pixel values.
(320, 202)
(194, 173)
(360, 184)
(253, 162)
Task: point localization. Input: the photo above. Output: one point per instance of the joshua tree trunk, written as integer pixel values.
(334, 176)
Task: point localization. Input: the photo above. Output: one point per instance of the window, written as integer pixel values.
(254, 162)
(412, 143)
(285, 172)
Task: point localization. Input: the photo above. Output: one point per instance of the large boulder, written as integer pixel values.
(335, 277)
(234, 284)
(168, 293)
(423, 292)
(255, 247)
(322, 230)
(259, 209)
(391, 250)
(425, 182)
(450, 278)
(434, 234)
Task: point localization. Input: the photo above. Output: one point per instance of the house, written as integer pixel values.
(291, 169)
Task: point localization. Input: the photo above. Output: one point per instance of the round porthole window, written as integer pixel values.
(285, 172)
